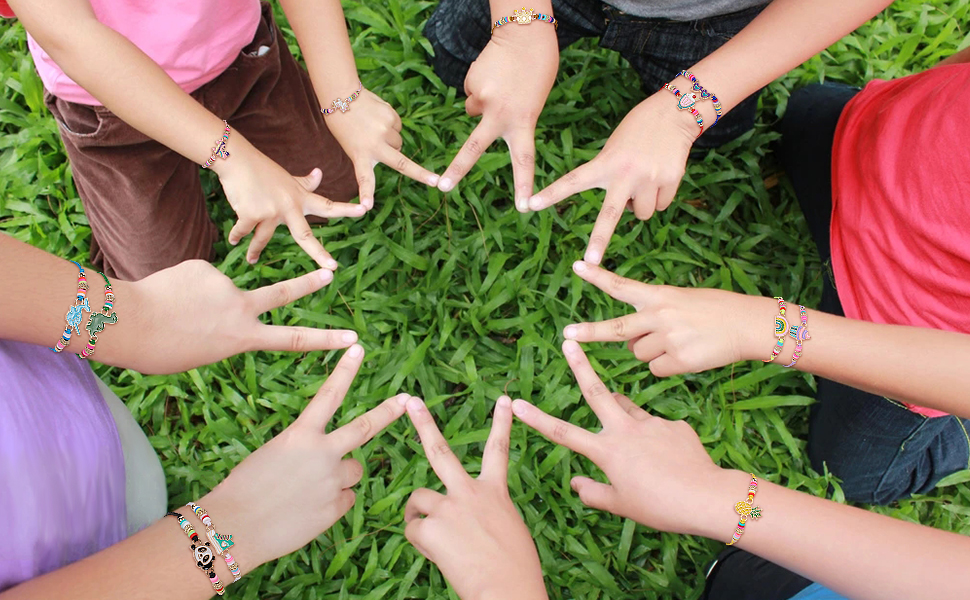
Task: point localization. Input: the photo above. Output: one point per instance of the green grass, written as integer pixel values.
(459, 298)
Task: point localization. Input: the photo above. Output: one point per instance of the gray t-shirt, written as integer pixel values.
(682, 10)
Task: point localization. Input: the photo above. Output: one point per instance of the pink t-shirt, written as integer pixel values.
(901, 203)
(192, 40)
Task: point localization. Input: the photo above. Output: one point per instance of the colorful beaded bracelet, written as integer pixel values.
(704, 94)
(97, 321)
(219, 150)
(221, 543)
(75, 313)
(686, 102)
(201, 552)
(745, 509)
(800, 334)
(781, 330)
(344, 103)
(524, 16)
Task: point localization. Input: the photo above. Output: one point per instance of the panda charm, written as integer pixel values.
(203, 555)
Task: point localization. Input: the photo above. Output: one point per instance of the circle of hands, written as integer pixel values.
(471, 529)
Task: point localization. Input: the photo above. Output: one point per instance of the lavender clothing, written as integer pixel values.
(62, 472)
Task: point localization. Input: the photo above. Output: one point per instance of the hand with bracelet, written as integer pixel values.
(277, 500)
(661, 476)
(173, 320)
(687, 330)
(508, 91)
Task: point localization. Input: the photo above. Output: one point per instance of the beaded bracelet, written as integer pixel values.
(97, 321)
(524, 16)
(800, 334)
(704, 94)
(221, 543)
(201, 552)
(75, 313)
(344, 103)
(219, 150)
(745, 509)
(781, 330)
(686, 102)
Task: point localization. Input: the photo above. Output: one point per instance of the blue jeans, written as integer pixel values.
(880, 450)
(657, 49)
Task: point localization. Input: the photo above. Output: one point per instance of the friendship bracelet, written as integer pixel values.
(201, 552)
(343, 103)
(704, 94)
(686, 102)
(781, 330)
(745, 509)
(524, 16)
(97, 321)
(74, 314)
(219, 151)
(800, 334)
(221, 543)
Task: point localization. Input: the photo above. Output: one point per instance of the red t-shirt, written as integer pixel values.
(901, 203)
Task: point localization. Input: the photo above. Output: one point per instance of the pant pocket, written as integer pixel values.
(78, 121)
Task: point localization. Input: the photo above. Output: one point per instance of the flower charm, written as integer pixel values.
(523, 16)
(341, 104)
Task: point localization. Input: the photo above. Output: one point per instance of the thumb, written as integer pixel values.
(595, 494)
(312, 181)
(473, 106)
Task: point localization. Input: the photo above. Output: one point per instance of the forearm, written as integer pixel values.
(962, 56)
(783, 36)
(321, 31)
(52, 282)
(122, 77)
(911, 364)
(851, 551)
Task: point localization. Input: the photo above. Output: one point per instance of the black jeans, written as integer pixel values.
(657, 49)
(878, 448)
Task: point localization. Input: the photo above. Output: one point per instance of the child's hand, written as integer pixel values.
(370, 133)
(297, 485)
(264, 195)
(508, 85)
(643, 161)
(191, 315)
(473, 532)
(679, 330)
(660, 475)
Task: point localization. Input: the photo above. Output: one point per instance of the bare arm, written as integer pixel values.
(962, 56)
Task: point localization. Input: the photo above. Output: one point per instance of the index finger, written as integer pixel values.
(605, 225)
(522, 148)
(331, 394)
(556, 430)
(303, 235)
(619, 329)
(619, 288)
(358, 432)
(600, 399)
(578, 180)
(473, 148)
(495, 460)
(407, 167)
(442, 459)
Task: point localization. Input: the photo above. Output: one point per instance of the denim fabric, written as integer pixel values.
(878, 448)
(657, 49)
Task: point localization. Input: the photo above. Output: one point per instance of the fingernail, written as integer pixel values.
(433, 180)
(325, 275)
(522, 204)
(572, 484)
(356, 351)
(402, 399)
(349, 337)
(504, 401)
(415, 404)
(570, 332)
(519, 407)
(593, 257)
(233, 242)
(580, 267)
(570, 347)
(330, 264)
(535, 202)
(252, 260)
(445, 184)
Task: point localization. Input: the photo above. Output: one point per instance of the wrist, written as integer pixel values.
(682, 120)
(756, 329)
(232, 518)
(722, 490)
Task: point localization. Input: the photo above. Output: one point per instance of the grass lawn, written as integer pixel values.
(458, 298)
